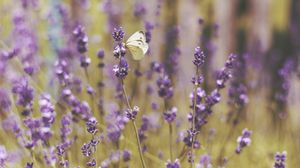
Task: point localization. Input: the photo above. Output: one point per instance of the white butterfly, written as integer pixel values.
(137, 45)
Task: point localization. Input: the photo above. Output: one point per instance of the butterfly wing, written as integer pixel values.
(139, 35)
(137, 45)
(136, 52)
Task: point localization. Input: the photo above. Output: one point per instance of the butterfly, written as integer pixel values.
(137, 45)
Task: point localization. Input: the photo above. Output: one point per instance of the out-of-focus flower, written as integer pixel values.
(91, 125)
(49, 156)
(148, 34)
(165, 89)
(81, 39)
(24, 91)
(243, 140)
(85, 61)
(126, 155)
(175, 164)
(131, 114)
(91, 163)
(29, 165)
(170, 115)
(205, 162)
(3, 156)
(26, 42)
(225, 73)
(100, 54)
(5, 103)
(47, 110)
(139, 9)
(280, 159)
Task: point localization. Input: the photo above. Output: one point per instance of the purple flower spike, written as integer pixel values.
(91, 125)
(280, 159)
(29, 165)
(3, 156)
(175, 164)
(119, 50)
(170, 116)
(121, 70)
(81, 39)
(91, 163)
(243, 140)
(100, 54)
(165, 89)
(131, 114)
(85, 61)
(118, 34)
(5, 103)
(24, 91)
(199, 57)
(126, 155)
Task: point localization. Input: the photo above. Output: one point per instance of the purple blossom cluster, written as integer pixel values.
(243, 140)
(175, 164)
(280, 159)
(71, 95)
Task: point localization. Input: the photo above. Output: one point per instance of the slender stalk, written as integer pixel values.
(170, 133)
(32, 157)
(139, 144)
(171, 140)
(86, 73)
(193, 116)
(229, 135)
(134, 126)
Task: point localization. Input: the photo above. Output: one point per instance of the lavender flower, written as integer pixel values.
(280, 159)
(64, 163)
(119, 50)
(91, 125)
(25, 41)
(3, 156)
(24, 91)
(115, 121)
(225, 73)
(118, 34)
(131, 114)
(81, 39)
(121, 70)
(126, 155)
(29, 165)
(47, 110)
(199, 57)
(165, 89)
(148, 34)
(170, 115)
(243, 140)
(100, 54)
(139, 9)
(175, 164)
(86, 149)
(205, 161)
(85, 61)
(50, 157)
(91, 163)
(5, 103)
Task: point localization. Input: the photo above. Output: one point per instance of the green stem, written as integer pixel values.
(193, 117)
(139, 144)
(134, 126)
(171, 140)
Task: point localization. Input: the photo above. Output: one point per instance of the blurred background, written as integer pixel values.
(265, 35)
